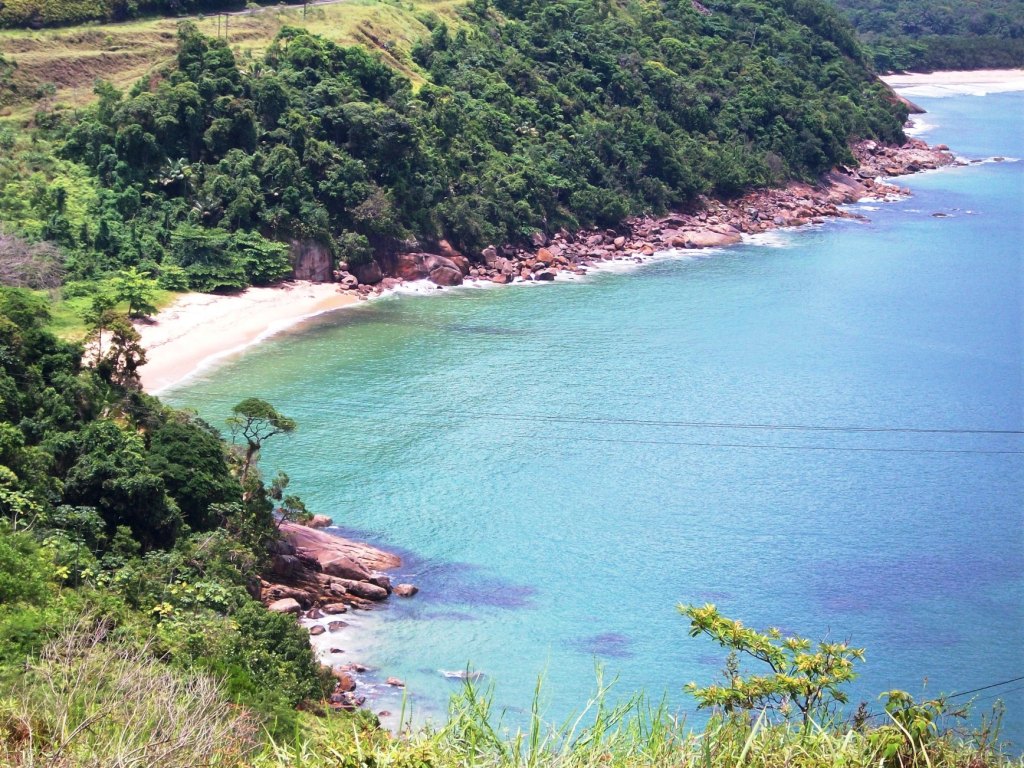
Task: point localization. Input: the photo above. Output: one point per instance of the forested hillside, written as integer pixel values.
(938, 34)
(533, 116)
(43, 13)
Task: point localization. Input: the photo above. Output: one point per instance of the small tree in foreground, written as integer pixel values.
(799, 674)
(256, 421)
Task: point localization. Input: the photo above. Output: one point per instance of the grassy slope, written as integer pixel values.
(73, 58)
(66, 314)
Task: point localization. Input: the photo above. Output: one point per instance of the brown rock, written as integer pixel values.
(409, 266)
(320, 521)
(461, 263)
(445, 249)
(336, 626)
(325, 546)
(346, 683)
(490, 255)
(546, 275)
(708, 239)
(619, 243)
(286, 605)
(345, 568)
(368, 273)
(406, 590)
(317, 629)
(502, 279)
(332, 608)
(361, 589)
(447, 276)
(395, 682)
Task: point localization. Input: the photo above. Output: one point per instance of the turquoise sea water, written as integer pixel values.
(542, 454)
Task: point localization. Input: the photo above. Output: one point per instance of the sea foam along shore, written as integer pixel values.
(967, 83)
(200, 329)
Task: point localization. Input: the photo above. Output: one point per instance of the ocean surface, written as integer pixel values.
(819, 431)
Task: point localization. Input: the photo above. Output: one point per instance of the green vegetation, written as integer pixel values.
(45, 13)
(938, 34)
(532, 116)
(126, 521)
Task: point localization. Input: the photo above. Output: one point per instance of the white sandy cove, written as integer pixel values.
(973, 83)
(198, 329)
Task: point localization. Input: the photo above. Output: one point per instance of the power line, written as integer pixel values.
(855, 449)
(607, 420)
(985, 687)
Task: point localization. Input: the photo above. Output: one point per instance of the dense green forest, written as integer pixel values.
(118, 511)
(533, 116)
(938, 34)
(45, 13)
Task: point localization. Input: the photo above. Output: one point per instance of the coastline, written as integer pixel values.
(199, 329)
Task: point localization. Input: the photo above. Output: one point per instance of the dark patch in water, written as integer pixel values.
(463, 584)
(610, 645)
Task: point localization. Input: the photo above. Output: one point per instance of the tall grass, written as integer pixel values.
(630, 734)
(92, 702)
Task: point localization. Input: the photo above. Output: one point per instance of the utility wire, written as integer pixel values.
(224, 397)
(985, 687)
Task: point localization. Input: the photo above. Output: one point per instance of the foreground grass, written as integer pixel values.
(72, 59)
(88, 701)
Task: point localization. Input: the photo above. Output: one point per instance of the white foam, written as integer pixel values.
(940, 85)
(774, 238)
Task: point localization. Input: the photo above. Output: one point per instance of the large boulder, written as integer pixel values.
(345, 568)
(368, 273)
(286, 605)
(326, 546)
(709, 239)
(409, 266)
(311, 261)
(363, 589)
(446, 276)
(461, 263)
(320, 521)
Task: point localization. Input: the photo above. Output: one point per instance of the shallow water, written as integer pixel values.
(562, 464)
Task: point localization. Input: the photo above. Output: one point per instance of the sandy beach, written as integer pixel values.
(974, 82)
(198, 329)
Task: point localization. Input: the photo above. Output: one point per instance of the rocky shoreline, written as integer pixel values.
(319, 577)
(712, 223)
(315, 576)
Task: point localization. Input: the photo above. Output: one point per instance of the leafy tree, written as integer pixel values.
(190, 457)
(256, 421)
(800, 675)
(132, 286)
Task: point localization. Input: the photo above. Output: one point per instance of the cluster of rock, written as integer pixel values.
(711, 223)
(316, 575)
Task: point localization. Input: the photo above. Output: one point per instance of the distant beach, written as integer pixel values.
(971, 82)
(201, 328)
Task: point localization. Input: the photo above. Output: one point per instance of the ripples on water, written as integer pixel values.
(529, 449)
